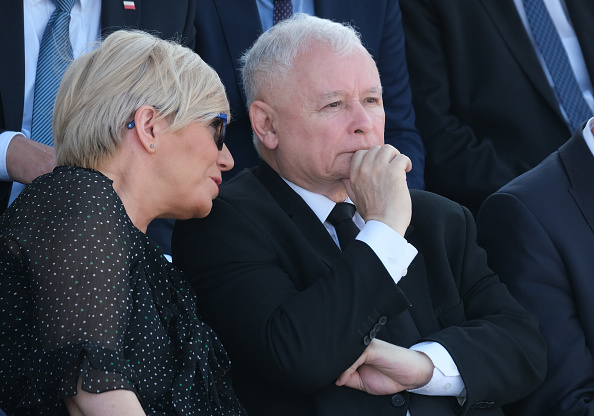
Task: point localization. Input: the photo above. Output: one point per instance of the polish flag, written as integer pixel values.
(129, 5)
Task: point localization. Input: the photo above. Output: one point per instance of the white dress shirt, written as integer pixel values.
(558, 12)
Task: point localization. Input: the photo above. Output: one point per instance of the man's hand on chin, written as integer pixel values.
(378, 187)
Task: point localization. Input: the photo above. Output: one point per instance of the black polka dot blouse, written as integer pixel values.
(85, 295)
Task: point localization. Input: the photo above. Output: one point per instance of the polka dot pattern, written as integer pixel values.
(85, 294)
(281, 10)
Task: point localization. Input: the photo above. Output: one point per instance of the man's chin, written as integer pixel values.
(343, 165)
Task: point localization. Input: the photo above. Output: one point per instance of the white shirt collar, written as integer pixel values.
(34, 3)
(320, 204)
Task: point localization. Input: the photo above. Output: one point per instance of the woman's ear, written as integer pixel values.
(262, 117)
(146, 127)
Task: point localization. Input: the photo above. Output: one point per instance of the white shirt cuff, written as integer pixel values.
(5, 139)
(446, 380)
(391, 248)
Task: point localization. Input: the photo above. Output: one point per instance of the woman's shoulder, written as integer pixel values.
(68, 198)
(70, 186)
(73, 181)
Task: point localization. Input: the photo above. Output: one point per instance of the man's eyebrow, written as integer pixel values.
(376, 90)
(333, 94)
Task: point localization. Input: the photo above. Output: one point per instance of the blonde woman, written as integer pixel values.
(95, 321)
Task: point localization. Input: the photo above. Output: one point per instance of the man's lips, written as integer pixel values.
(218, 181)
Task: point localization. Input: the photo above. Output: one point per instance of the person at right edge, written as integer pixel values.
(397, 300)
(538, 231)
(498, 85)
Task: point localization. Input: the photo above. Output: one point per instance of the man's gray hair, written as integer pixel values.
(272, 55)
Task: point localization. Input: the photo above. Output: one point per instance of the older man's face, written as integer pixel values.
(328, 108)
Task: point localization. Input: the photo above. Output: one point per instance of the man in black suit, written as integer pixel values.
(485, 108)
(538, 231)
(226, 28)
(293, 310)
(25, 159)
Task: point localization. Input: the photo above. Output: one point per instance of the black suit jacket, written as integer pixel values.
(539, 234)
(227, 28)
(158, 17)
(294, 311)
(484, 107)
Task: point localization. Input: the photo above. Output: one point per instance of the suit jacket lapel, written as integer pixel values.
(505, 17)
(299, 212)
(241, 24)
(579, 165)
(314, 231)
(12, 77)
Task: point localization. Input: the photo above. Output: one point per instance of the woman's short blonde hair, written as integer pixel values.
(101, 91)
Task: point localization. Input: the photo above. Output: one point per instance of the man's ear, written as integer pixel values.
(146, 127)
(262, 117)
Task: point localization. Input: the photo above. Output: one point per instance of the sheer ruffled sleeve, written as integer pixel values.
(75, 252)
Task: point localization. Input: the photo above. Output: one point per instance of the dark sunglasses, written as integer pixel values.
(219, 123)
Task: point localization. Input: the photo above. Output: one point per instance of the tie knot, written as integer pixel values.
(341, 212)
(65, 5)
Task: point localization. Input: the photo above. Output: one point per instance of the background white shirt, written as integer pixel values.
(558, 12)
(85, 31)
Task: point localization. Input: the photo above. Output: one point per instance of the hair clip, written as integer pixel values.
(130, 125)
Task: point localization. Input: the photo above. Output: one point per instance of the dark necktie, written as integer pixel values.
(568, 91)
(282, 9)
(55, 54)
(341, 217)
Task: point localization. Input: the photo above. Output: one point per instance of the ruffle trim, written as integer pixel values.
(52, 376)
(202, 384)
